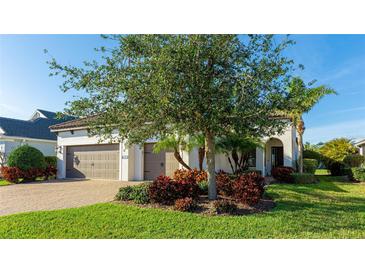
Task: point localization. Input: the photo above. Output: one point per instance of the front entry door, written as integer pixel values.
(277, 156)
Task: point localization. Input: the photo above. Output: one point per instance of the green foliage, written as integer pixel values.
(303, 97)
(310, 165)
(237, 149)
(358, 174)
(337, 149)
(26, 157)
(137, 193)
(337, 168)
(51, 161)
(149, 86)
(203, 186)
(312, 154)
(354, 160)
(304, 178)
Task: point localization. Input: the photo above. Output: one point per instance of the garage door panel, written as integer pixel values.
(97, 161)
(156, 164)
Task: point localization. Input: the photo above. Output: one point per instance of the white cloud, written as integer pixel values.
(354, 129)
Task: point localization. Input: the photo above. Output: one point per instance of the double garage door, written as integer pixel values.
(102, 162)
(94, 162)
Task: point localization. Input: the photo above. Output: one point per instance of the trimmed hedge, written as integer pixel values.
(164, 190)
(26, 157)
(304, 178)
(358, 174)
(51, 161)
(137, 193)
(354, 160)
(282, 173)
(16, 175)
(310, 165)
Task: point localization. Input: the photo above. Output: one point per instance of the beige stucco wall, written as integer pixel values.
(131, 157)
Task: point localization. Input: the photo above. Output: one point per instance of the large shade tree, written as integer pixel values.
(153, 85)
(302, 98)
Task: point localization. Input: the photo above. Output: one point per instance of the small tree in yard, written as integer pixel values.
(237, 149)
(175, 143)
(155, 85)
(338, 149)
(302, 99)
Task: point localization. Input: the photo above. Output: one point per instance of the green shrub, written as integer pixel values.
(203, 186)
(26, 157)
(304, 178)
(337, 168)
(354, 160)
(358, 174)
(137, 194)
(124, 193)
(310, 165)
(51, 161)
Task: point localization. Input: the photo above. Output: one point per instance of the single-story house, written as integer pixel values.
(34, 132)
(361, 146)
(83, 156)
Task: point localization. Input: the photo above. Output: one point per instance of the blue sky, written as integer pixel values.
(335, 60)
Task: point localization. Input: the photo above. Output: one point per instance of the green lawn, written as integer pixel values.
(4, 183)
(330, 209)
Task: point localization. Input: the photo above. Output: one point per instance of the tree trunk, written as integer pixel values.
(210, 151)
(201, 152)
(180, 160)
(300, 130)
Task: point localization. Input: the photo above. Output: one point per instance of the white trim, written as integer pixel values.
(362, 142)
(68, 129)
(12, 138)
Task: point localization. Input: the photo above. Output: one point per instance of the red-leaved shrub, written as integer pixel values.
(249, 188)
(185, 204)
(224, 183)
(282, 173)
(164, 190)
(11, 174)
(190, 175)
(224, 206)
(49, 171)
(15, 174)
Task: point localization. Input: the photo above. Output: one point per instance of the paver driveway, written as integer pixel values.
(56, 194)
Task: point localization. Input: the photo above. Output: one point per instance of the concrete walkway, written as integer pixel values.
(57, 194)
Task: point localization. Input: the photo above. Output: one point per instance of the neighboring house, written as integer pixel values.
(83, 156)
(34, 132)
(361, 146)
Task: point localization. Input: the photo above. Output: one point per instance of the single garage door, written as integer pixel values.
(156, 164)
(94, 162)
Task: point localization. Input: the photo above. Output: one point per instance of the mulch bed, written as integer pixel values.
(206, 207)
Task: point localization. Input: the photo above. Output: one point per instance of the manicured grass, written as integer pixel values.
(4, 183)
(330, 209)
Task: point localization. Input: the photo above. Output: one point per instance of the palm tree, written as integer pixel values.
(302, 98)
(198, 141)
(175, 143)
(237, 149)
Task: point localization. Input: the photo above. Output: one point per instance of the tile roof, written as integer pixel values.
(37, 128)
(77, 123)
